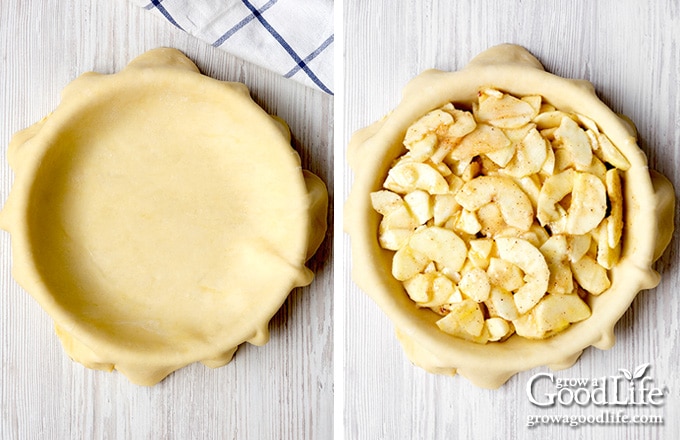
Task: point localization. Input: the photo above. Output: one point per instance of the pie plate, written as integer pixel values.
(648, 220)
(160, 217)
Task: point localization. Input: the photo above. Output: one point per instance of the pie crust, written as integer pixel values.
(649, 210)
(160, 217)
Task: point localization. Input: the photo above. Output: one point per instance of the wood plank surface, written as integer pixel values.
(630, 51)
(283, 390)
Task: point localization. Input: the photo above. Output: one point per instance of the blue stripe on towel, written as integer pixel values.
(311, 56)
(166, 14)
(287, 47)
(241, 23)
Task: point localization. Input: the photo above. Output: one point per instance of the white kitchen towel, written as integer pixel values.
(291, 37)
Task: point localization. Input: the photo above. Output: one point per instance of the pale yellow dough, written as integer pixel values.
(649, 202)
(161, 217)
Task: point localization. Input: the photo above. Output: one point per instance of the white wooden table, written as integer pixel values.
(630, 50)
(283, 390)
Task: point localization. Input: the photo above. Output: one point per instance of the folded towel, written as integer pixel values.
(291, 37)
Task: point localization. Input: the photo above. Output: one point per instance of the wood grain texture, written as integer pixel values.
(283, 390)
(630, 50)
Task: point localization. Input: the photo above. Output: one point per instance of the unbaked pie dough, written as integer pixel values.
(648, 216)
(161, 217)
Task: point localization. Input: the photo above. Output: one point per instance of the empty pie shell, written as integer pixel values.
(649, 210)
(160, 217)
